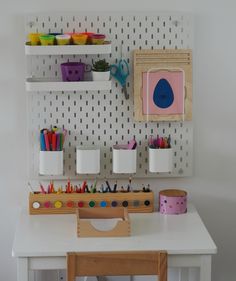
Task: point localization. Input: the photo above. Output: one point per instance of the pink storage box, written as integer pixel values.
(173, 201)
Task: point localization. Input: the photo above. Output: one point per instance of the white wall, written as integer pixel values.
(212, 187)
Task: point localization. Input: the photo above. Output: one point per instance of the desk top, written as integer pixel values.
(54, 235)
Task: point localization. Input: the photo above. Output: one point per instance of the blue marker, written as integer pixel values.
(42, 142)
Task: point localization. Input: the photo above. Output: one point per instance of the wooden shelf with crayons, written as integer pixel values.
(68, 201)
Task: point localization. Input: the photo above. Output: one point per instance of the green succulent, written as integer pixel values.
(101, 66)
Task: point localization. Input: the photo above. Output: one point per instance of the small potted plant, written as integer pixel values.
(101, 70)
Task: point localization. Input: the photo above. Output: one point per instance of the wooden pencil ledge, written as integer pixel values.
(67, 203)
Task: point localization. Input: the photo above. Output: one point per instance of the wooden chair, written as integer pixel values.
(117, 264)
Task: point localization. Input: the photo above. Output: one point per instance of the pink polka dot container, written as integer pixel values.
(172, 201)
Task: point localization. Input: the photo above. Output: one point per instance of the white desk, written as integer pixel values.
(42, 241)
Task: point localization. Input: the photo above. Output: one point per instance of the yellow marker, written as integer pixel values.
(58, 204)
(54, 129)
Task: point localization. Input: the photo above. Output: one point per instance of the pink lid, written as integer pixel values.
(98, 36)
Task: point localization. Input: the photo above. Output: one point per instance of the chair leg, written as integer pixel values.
(163, 267)
(71, 264)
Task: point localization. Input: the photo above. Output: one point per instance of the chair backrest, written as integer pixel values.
(117, 263)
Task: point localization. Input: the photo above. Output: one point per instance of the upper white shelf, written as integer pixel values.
(47, 84)
(68, 49)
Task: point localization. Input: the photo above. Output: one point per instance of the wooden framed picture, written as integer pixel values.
(163, 85)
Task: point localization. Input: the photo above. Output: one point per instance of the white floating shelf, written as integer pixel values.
(43, 84)
(68, 49)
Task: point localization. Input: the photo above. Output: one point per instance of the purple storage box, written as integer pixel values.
(173, 201)
(74, 71)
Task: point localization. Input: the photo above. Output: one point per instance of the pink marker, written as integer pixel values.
(132, 144)
(158, 142)
(42, 189)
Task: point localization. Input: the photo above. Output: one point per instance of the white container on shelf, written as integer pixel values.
(124, 160)
(160, 160)
(51, 163)
(101, 75)
(88, 160)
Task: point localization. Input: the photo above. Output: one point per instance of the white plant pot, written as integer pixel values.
(51, 163)
(101, 76)
(124, 161)
(88, 160)
(160, 160)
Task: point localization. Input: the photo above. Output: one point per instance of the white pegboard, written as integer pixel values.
(106, 118)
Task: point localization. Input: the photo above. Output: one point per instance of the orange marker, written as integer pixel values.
(68, 188)
(52, 187)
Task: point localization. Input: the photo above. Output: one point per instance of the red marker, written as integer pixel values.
(50, 139)
(46, 139)
(83, 187)
(54, 142)
(76, 189)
